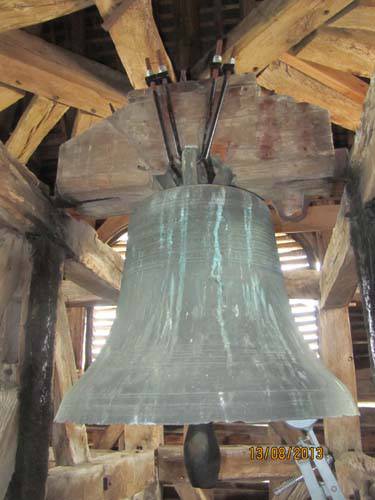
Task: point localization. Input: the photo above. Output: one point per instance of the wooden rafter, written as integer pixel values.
(285, 79)
(344, 83)
(55, 73)
(272, 27)
(359, 15)
(9, 95)
(83, 121)
(135, 35)
(14, 14)
(346, 50)
(40, 116)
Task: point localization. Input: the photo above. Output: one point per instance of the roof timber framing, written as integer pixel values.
(40, 116)
(15, 14)
(136, 37)
(273, 27)
(57, 74)
(91, 264)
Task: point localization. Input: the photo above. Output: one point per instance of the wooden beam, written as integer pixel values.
(8, 431)
(31, 468)
(344, 83)
(69, 440)
(235, 464)
(318, 218)
(341, 434)
(143, 437)
(114, 476)
(83, 121)
(14, 14)
(91, 263)
(359, 15)
(40, 116)
(339, 280)
(76, 297)
(57, 74)
(352, 51)
(272, 27)
(284, 79)
(135, 35)
(9, 95)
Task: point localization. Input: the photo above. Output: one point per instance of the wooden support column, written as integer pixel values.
(69, 440)
(361, 191)
(31, 468)
(14, 287)
(341, 434)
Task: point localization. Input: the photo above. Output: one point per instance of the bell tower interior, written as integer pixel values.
(187, 207)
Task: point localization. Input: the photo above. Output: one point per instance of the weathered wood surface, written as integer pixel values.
(365, 385)
(363, 151)
(77, 296)
(135, 35)
(76, 318)
(341, 434)
(55, 73)
(268, 141)
(8, 431)
(69, 440)
(40, 116)
(285, 79)
(235, 464)
(273, 27)
(143, 437)
(9, 95)
(83, 121)
(344, 83)
(359, 15)
(91, 263)
(347, 50)
(128, 474)
(14, 14)
(339, 280)
(35, 407)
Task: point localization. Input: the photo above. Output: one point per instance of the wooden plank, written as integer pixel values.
(9, 95)
(40, 116)
(83, 121)
(352, 51)
(344, 83)
(272, 27)
(112, 476)
(136, 37)
(284, 79)
(112, 227)
(91, 263)
(57, 74)
(14, 14)
(235, 464)
(359, 15)
(31, 468)
(365, 385)
(341, 434)
(187, 492)
(110, 437)
(339, 280)
(69, 440)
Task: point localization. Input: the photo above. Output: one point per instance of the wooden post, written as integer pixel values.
(89, 334)
(341, 434)
(31, 468)
(362, 232)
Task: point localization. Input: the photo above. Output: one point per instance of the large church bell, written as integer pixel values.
(204, 331)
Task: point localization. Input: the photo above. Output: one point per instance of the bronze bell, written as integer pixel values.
(204, 330)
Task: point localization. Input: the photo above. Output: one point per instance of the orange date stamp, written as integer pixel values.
(284, 453)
